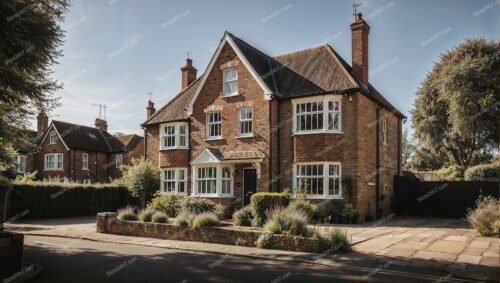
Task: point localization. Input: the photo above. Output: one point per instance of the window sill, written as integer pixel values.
(227, 96)
(85, 169)
(316, 132)
(213, 196)
(386, 144)
(323, 197)
(245, 136)
(176, 147)
(214, 139)
(52, 170)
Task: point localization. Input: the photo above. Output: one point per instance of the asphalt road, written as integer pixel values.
(74, 260)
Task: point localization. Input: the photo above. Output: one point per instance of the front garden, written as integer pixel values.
(272, 220)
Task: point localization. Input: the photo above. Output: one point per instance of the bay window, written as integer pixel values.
(318, 179)
(173, 180)
(53, 161)
(317, 115)
(173, 135)
(213, 125)
(213, 180)
(230, 82)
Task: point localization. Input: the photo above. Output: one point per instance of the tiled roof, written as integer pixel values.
(313, 71)
(130, 141)
(88, 138)
(237, 154)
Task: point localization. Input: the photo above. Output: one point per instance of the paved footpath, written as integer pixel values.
(447, 245)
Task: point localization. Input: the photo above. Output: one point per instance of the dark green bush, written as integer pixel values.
(170, 203)
(184, 219)
(306, 206)
(336, 240)
(127, 213)
(51, 200)
(159, 217)
(220, 211)
(197, 205)
(350, 213)
(205, 219)
(481, 172)
(261, 202)
(287, 221)
(146, 215)
(244, 216)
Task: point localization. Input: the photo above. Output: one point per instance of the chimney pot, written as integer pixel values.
(188, 73)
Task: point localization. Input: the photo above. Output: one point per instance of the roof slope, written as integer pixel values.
(313, 71)
(88, 138)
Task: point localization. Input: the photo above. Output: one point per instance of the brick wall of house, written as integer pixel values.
(250, 93)
(46, 148)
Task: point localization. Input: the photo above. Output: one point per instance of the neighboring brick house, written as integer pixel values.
(79, 153)
(305, 120)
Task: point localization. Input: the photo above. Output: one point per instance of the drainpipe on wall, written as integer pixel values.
(270, 169)
(145, 143)
(278, 126)
(377, 165)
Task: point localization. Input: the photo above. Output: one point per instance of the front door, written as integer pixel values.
(249, 184)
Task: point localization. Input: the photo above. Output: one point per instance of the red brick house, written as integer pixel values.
(78, 153)
(253, 122)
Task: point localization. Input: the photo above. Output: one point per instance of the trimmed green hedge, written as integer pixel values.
(480, 172)
(39, 200)
(263, 201)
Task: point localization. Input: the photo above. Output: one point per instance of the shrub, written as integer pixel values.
(159, 217)
(452, 173)
(184, 219)
(287, 221)
(336, 241)
(350, 213)
(261, 202)
(146, 215)
(263, 241)
(197, 205)
(330, 212)
(220, 211)
(485, 217)
(170, 203)
(481, 172)
(127, 213)
(205, 219)
(310, 209)
(244, 216)
(142, 179)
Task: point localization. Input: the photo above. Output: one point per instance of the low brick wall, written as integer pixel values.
(108, 223)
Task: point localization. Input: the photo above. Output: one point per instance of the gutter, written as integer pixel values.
(377, 165)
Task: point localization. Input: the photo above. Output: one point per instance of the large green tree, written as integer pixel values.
(457, 111)
(30, 38)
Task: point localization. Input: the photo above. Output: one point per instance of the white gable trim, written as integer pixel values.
(229, 40)
(205, 157)
(51, 126)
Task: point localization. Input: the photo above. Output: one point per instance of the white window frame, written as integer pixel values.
(326, 176)
(242, 120)
(176, 135)
(218, 180)
(229, 81)
(384, 132)
(20, 163)
(52, 137)
(57, 159)
(118, 160)
(85, 161)
(214, 124)
(176, 179)
(326, 112)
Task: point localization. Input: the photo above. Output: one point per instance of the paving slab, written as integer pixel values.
(474, 251)
(447, 246)
(490, 261)
(479, 244)
(471, 259)
(426, 255)
(456, 238)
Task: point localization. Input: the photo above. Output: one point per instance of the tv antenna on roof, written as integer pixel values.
(150, 93)
(354, 10)
(101, 108)
(189, 53)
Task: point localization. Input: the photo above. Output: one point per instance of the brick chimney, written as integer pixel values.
(150, 109)
(188, 73)
(42, 122)
(360, 30)
(101, 124)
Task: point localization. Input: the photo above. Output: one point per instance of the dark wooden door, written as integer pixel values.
(249, 184)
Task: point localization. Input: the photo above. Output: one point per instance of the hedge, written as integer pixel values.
(263, 201)
(481, 172)
(40, 200)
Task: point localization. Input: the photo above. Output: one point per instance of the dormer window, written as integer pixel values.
(53, 137)
(230, 82)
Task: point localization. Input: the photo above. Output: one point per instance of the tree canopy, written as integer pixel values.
(30, 37)
(457, 111)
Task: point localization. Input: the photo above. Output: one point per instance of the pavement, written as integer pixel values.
(438, 244)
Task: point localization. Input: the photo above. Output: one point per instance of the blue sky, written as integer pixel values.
(116, 51)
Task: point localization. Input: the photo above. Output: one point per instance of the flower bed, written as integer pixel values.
(108, 223)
